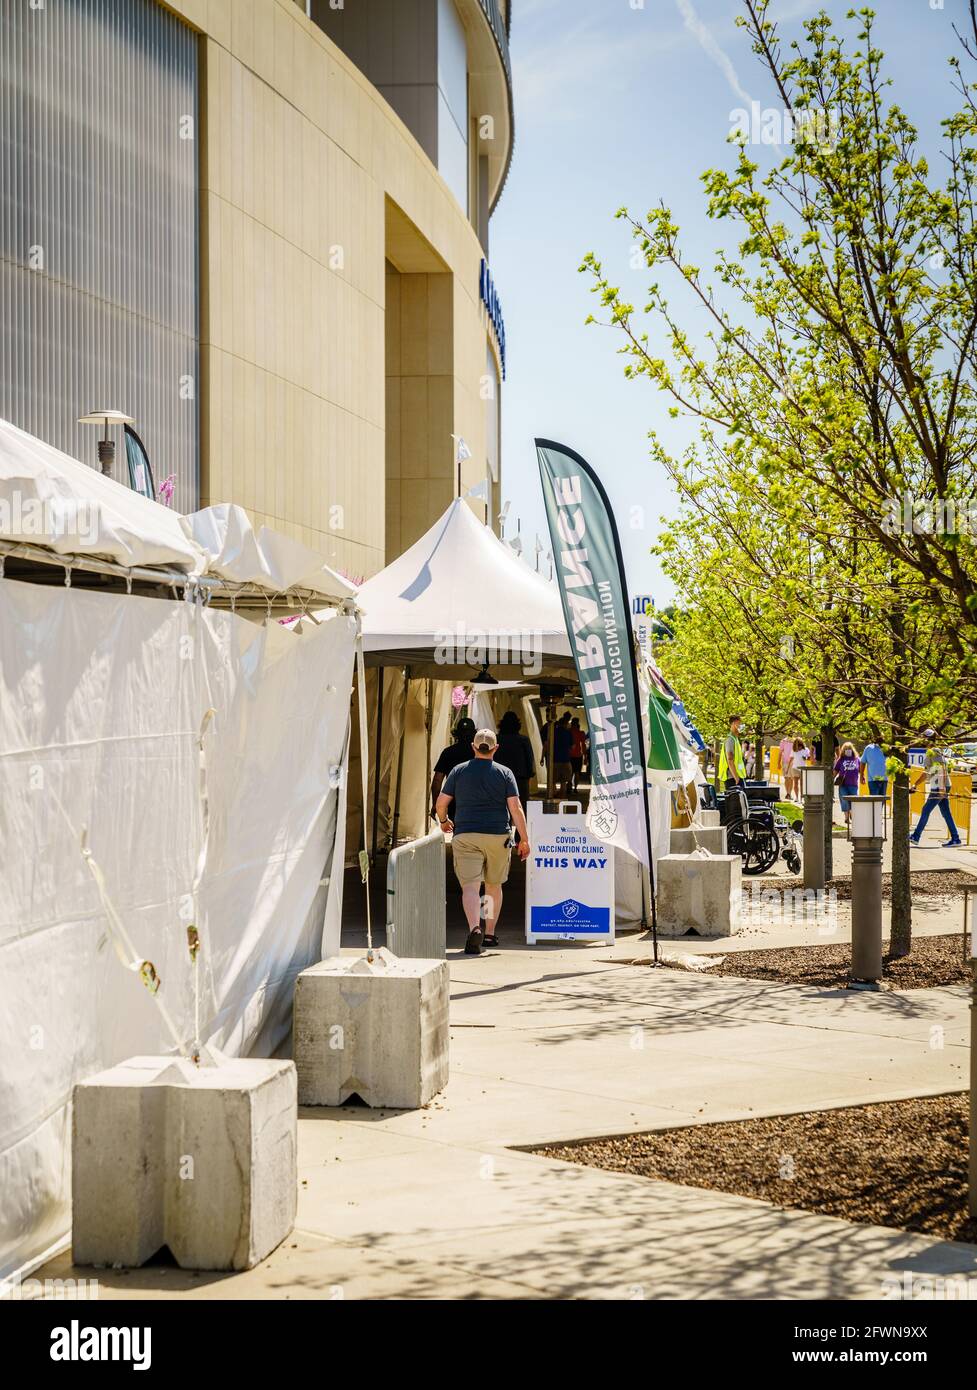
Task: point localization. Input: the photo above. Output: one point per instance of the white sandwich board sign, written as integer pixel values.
(569, 878)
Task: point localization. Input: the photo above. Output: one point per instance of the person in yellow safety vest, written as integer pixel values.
(732, 768)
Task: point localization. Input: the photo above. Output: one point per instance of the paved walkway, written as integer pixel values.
(556, 1043)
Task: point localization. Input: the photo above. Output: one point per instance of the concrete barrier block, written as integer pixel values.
(709, 819)
(200, 1159)
(375, 1029)
(712, 838)
(699, 894)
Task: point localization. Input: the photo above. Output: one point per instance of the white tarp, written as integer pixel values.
(101, 702)
(460, 586)
(50, 500)
(238, 552)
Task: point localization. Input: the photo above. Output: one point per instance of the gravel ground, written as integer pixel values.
(933, 961)
(901, 1164)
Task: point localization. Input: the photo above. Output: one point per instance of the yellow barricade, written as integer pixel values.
(774, 763)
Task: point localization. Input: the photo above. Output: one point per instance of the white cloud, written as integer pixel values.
(704, 36)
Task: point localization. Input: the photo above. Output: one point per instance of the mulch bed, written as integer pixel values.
(923, 883)
(901, 1163)
(933, 961)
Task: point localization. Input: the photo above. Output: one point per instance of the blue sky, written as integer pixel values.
(622, 103)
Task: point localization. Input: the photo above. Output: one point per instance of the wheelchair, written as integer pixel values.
(754, 829)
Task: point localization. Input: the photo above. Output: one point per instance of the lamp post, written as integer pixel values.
(867, 838)
(813, 788)
(106, 446)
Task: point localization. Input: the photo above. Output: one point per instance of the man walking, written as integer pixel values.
(486, 797)
(874, 770)
(938, 795)
(732, 768)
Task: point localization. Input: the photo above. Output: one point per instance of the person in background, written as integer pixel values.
(800, 758)
(578, 747)
(516, 753)
(562, 748)
(874, 771)
(847, 769)
(486, 799)
(786, 746)
(937, 794)
(749, 760)
(453, 756)
(732, 768)
(787, 767)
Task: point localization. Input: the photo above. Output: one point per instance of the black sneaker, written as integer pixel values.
(473, 946)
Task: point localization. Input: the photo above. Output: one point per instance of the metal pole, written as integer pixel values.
(550, 744)
(400, 759)
(866, 912)
(429, 717)
(376, 761)
(814, 843)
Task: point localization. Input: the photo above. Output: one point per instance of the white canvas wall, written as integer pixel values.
(101, 701)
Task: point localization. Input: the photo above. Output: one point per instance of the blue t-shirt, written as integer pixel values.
(481, 790)
(873, 761)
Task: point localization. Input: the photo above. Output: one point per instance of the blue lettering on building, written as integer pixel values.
(490, 298)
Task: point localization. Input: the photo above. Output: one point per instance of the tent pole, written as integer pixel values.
(426, 818)
(376, 759)
(400, 759)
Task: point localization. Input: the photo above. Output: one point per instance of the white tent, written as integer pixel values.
(198, 756)
(460, 597)
(52, 503)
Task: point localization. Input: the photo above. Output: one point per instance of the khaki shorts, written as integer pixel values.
(480, 858)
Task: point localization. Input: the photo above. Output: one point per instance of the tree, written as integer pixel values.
(835, 385)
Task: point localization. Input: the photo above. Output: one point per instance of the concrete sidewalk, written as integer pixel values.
(555, 1043)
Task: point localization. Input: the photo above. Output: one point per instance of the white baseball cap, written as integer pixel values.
(485, 741)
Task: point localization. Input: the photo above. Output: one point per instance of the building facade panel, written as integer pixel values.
(98, 226)
(307, 266)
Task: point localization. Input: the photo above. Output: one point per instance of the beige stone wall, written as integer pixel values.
(299, 161)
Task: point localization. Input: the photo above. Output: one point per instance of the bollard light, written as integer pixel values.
(812, 779)
(814, 810)
(868, 818)
(867, 835)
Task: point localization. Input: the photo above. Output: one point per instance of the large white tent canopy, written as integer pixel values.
(457, 592)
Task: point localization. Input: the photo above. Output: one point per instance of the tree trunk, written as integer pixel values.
(828, 762)
(901, 929)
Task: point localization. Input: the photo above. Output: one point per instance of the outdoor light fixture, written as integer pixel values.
(867, 834)
(868, 817)
(813, 781)
(106, 446)
(484, 676)
(814, 827)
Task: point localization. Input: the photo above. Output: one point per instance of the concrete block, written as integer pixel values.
(708, 819)
(201, 1159)
(699, 894)
(712, 838)
(377, 1029)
